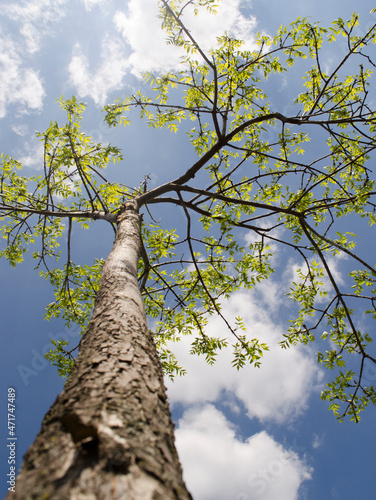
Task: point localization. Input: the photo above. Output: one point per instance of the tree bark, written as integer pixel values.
(109, 434)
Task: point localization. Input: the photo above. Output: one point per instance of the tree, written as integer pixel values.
(109, 432)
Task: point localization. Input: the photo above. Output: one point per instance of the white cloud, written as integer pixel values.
(142, 30)
(35, 19)
(278, 391)
(32, 154)
(97, 84)
(272, 295)
(89, 4)
(317, 442)
(20, 129)
(21, 83)
(18, 84)
(30, 91)
(218, 465)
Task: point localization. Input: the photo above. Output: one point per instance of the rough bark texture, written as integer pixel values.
(109, 434)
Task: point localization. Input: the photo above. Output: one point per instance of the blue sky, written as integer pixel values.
(248, 435)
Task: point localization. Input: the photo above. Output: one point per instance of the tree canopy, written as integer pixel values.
(262, 180)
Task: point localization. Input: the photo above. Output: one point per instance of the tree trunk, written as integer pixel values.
(109, 434)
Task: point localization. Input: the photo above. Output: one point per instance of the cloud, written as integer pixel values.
(278, 391)
(109, 76)
(317, 442)
(218, 465)
(19, 84)
(35, 19)
(32, 154)
(30, 20)
(89, 4)
(141, 28)
(20, 129)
